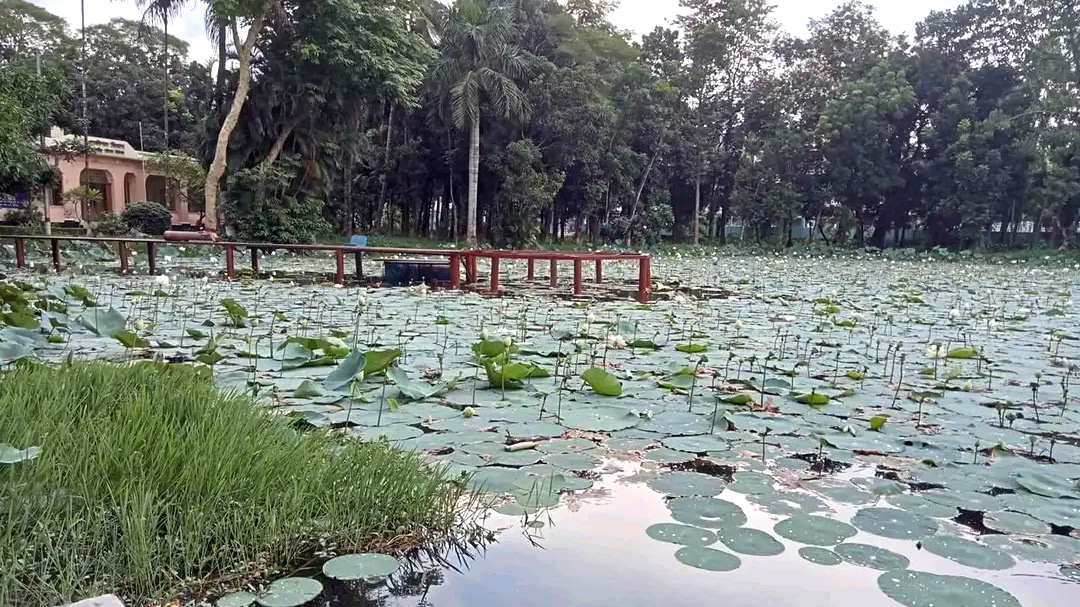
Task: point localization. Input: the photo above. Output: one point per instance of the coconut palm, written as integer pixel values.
(477, 62)
(160, 11)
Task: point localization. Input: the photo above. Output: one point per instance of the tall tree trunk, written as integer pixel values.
(474, 178)
(279, 143)
(697, 210)
(223, 56)
(386, 168)
(243, 86)
(168, 176)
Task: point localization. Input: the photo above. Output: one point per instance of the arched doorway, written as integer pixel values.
(129, 188)
(102, 182)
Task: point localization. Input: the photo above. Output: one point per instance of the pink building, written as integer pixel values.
(120, 173)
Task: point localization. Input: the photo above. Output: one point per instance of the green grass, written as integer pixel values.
(151, 483)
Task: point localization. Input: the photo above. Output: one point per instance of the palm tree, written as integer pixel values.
(477, 59)
(160, 11)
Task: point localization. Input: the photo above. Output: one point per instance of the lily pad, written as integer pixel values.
(754, 542)
(684, 535)
(1014, 522)
(711, 513)
(575, 462)
(967, 552)
(391, 432)
(921, 505)
(894, 523)
(1039, 548)
(669, 456)
(371, 568)
(1046, 484)
(236, 599)
(602, 382)
(920, 589)
(696, 444)
(687, 484)
(873, 557)
(814, 530)
(820, 556)
(290, 592)
(599, 419)
(968, 500)
(708, 559)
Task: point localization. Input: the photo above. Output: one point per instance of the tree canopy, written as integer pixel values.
(516, 121)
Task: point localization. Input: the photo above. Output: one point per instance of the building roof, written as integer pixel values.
(114, 148)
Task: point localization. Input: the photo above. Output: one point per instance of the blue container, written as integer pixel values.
(358, 240)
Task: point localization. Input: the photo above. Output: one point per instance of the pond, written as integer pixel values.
(811, 431)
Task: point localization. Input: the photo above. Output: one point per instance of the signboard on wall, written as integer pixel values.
(14, 201)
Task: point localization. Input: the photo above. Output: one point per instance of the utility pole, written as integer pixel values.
(168, 156)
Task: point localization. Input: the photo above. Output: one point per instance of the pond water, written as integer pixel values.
(911, 426)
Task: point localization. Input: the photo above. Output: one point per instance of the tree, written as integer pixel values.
(27, 30)
(478, 62)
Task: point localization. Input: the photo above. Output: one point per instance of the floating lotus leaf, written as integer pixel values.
(687, 484)
(788, 503)
(684, 535)
(678, 423)
(627, 444)
(669, 456)
(708, 559)
(842, 491)
(711, 513)
(1044, 483)
(1040, 548)
(564, 445)
(919, 589)
(792, 463)
(696, 444)
(290, 592)
(391, 432)
(575, 462)
(236, 599)
(967, 552)
(751, 483)
(894, 523)
(496, 479)
(1014, 522)
(599, 419)
(820, 556)
(745, 540)
(534, 430)
(814, 530)
(921, 505)
(1072, 572)
(1063, 513)
(871, 556)
(371, 568)
(967, 500)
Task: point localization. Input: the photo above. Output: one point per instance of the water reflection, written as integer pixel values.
(592, 551)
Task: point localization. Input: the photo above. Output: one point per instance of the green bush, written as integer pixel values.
(26, 220)
(148, 217)
(149, 480)
(269, 204)
(112, 225)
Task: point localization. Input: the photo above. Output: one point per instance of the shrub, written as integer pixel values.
(26, 220)
(148, 476)
(111, 225)
(148, 217)
(270, 204)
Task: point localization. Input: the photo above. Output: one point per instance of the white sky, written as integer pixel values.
(639, 16)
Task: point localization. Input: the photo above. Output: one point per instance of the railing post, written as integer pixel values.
(494, 274)
(455, 271)
(577, 276)
(20, 253)
(359, 265)
(230, 261)
(255, 261)
(644, 279)
(55, 254)
(599, 271)
(471, 268)
(340, 255)
(553, 273)
(151, 257)
(532, 269)
(122, 251)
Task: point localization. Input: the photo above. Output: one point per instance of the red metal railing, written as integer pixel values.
(457, 258)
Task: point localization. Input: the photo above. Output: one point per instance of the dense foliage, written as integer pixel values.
(430, 119)
(147, 217)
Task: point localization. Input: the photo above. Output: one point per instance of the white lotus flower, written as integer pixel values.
(162, 281)
(592, 318)
(583, 328)
(738, 324)
(484, 335)
(335, 341)
(954, 314)
(616, 342)
(509, 341)
(936, 351)
(968, 386)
